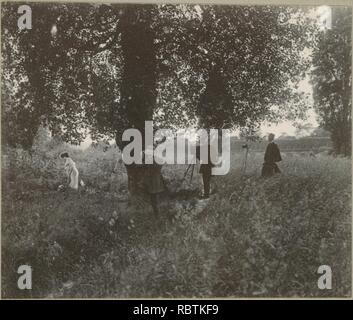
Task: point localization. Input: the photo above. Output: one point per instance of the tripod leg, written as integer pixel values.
(186, 172)
(192, 172)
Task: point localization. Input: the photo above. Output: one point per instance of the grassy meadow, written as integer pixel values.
(255, 237)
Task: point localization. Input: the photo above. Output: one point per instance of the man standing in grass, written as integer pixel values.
(272, 155)
(205, 169)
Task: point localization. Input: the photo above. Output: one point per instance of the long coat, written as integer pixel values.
(272, 155)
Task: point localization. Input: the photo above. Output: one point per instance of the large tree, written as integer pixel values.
(64, 73)
(175, 54)
(234, 66)
(105, 68)
(332, 79)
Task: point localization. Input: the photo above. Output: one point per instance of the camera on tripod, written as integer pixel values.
(245, 146)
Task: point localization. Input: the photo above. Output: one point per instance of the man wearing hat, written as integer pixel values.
(272, 155)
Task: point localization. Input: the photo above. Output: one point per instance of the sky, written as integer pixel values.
(287, 127)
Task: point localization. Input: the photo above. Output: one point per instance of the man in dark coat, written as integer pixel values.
(272, 155)
(205, 170)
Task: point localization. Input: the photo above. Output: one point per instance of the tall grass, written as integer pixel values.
(254, 238)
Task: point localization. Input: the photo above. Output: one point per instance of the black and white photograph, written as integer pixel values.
(171, 150)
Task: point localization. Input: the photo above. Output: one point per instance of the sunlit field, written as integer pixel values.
(255, 237)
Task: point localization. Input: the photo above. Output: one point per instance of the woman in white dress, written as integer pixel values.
(71, 170)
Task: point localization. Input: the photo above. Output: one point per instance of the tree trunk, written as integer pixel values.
(139, 85)
(341, 139)
(136, 174)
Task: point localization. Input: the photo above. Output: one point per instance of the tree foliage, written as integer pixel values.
(255, 52)
(332, 80)
(98, 69)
